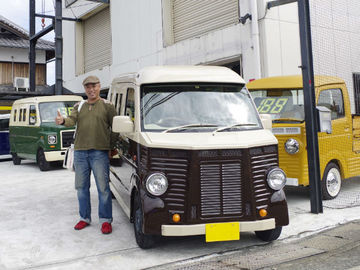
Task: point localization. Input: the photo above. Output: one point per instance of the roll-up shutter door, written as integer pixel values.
(97, 41)
(192, 18)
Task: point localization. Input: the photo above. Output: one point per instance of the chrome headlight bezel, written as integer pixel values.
(52, 139)
(156, 184)
(292, 146)
(276, 178)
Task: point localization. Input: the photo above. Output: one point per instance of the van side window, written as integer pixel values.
(15, 111)
(4, 124)
(32, 115)
(118, 99)
(20, 115)
(333, 100)
(130, 104)
(24, 115)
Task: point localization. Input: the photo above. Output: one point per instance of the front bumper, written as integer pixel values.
(199, 229)
(55, 155)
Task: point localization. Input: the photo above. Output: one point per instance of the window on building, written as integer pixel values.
(356, 80)
(333, 100)
(185, 19)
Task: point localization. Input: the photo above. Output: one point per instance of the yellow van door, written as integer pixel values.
(338, 144)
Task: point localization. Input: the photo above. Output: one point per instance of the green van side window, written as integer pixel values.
(32, 115)
(15, 115)
(24, 115)
(20, 115)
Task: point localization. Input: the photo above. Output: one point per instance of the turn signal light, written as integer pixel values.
(263, 213)
(176, 218)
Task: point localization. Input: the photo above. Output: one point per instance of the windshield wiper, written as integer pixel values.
(279, 120)
(234, 126)
(189, 126)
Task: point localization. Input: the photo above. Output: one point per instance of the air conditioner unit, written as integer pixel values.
(21, 84)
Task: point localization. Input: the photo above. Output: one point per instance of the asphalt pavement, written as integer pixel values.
(39, 210)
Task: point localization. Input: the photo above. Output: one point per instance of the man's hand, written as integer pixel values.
(112, 153)
(59, 120)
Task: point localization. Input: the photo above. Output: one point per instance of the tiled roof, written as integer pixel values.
(17, 42)
(20, 37)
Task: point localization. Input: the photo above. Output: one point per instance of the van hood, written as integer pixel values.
(208, 140)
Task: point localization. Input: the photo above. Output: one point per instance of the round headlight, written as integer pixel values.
(52, 139)
(156, 184)
(292, 146)
(276, 178)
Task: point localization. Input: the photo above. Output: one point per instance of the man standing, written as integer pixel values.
(94, 141)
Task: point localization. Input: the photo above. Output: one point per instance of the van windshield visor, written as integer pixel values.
(48, 110)
(200, 107)
(284, 105)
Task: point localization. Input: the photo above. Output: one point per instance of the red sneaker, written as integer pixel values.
(106, 228)
(81, 225)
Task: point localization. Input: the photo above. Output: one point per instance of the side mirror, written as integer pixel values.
(266, 121)
(324, 115)
(122, 124)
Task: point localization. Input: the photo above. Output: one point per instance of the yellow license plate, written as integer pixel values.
(222, 231)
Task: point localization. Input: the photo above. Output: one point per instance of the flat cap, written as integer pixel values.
(91, 79)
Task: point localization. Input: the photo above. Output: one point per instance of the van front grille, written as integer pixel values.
(67, 138)
(176, 170)
(261, 160)
(220, 188)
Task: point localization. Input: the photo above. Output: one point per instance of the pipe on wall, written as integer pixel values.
(255, 37)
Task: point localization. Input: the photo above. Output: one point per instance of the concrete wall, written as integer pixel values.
(137, 41)
(20, 55)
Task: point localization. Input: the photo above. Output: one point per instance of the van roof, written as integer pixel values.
(48, 99)
(295, 81)
(170, 74)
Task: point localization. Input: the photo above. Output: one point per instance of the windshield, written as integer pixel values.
(48, 110)
(284, 105)
(197, 108)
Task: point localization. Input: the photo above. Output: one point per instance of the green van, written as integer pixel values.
(33, 132)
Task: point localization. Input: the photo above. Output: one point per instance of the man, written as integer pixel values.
(94, 141)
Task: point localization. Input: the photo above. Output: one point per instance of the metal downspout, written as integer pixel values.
(255, 37)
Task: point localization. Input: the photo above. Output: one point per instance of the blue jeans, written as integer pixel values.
(96, 161)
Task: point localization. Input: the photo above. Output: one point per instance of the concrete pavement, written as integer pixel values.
(335, 249)
(39, 209)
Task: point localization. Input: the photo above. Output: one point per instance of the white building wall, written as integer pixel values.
(137, 41)
(20, 55)
(280, 40)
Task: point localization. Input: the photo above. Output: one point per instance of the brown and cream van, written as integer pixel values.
(195, 156)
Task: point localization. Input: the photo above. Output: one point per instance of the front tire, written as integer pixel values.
(269, 235)
(331, 182)
(144, 241)
(16, 160)
(41, 160)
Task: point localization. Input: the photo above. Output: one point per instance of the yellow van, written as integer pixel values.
(339, 147)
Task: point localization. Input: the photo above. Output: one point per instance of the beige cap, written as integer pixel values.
(91, 79)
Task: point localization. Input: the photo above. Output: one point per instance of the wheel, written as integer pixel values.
(269, 235)
(331, 182)
(16, 160)
(144, 241)
(41, 160)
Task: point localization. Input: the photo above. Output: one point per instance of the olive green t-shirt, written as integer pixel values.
(93, 125)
